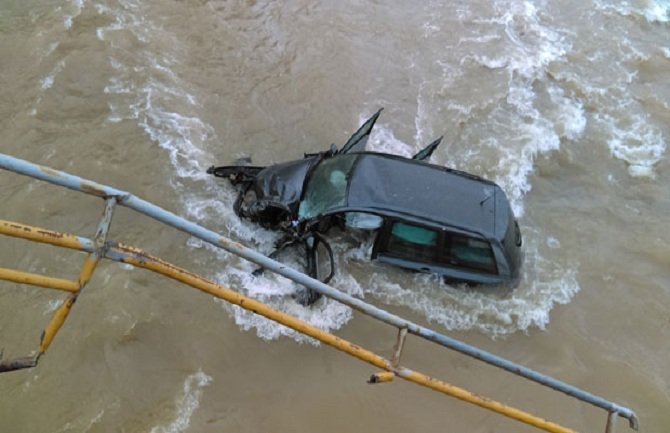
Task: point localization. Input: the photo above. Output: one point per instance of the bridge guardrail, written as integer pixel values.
(99, 247)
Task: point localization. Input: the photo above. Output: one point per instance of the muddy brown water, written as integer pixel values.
(566, 105)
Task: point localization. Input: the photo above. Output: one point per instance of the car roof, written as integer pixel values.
(415, 190)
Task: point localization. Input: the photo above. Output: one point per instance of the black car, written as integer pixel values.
(425, 217)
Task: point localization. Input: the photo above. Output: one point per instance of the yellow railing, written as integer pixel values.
(141, 259)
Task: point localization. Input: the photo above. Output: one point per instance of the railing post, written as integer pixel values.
(611, 422)
(399, 345)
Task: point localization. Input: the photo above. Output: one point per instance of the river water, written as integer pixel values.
(565, 104)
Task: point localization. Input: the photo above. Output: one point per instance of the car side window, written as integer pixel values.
(412, 242)
(427, 245)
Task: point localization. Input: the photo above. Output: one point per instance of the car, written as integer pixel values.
(424, 217)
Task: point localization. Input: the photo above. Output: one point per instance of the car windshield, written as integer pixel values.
(327, 186)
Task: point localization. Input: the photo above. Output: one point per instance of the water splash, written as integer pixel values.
(653, 11)
(500, 121)
(77, 6)
(636, 142)
(160, 102)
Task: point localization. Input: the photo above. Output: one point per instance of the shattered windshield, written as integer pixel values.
(327, 186)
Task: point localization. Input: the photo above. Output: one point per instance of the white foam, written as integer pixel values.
(483, 39)
(635, 141)
(654, 11)
(52, 306)
(553, 243)
(495, 312)
(517, 155)
(95, 420)
(278, 292)
(78, 6)
(183, 136)
(80, 424)
(186, 404)
(531, 45)
(49, 50)
(517, 131)
(48, 81)
(383, 140)
(533, 133)
(127, 17)
(570, 119)
(160, 102)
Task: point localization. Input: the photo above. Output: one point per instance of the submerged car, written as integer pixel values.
(424, 217)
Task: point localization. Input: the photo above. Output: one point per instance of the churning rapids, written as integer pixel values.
(566, 106)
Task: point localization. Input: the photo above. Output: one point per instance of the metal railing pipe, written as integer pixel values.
(128, 200)
(38, 280)
(14, 229)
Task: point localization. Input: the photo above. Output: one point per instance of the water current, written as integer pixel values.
(565, 104)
